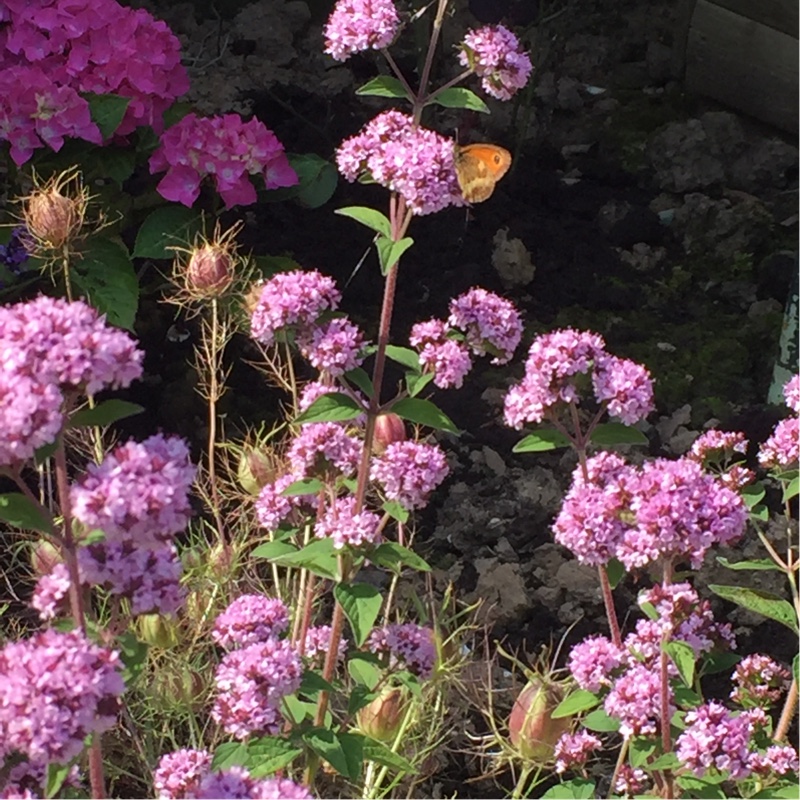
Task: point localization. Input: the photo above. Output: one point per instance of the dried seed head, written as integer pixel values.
(44, 557)
(257, 467)
(54, 213)
(210, 270)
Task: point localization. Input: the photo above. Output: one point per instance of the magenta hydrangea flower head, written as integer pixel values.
(150, 578)
(415, 162)
(251, 683)
(139, 493)
(409, 471)
(51, 592)
(490, 323)
(178, 774)
(249, 619)
(572, 750)
(55, 690)
(759, 681)
(356, 25)
(273, 506)
(293, 299)
(226, 148)
(496, 55)
(625, 386)
(716, 739)
(716, 450)
(334, 347)
(775, 760)
(448, 359)
(321, 446)
(346, 527)
(409, 645)
(791, 393)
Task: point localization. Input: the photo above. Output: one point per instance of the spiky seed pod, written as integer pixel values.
(210, 270)
(532, 730)
(53, 218)
(256, 469)
(157, 631)
(381, 719)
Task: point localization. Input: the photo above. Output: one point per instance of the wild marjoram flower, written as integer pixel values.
(249, 619)
(496, 56)
(357, 25)
(782, 450)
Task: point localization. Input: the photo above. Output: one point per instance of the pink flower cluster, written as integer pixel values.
(346, 527)
(55, 690)
(556, 362)
(496, 55)
(759, 681)
(664, 509)
(249, 619)
(52, 51)
(572, 750)
(782, 450)
(226, 148)
(48, 347)
(409, 646)
(356, 25)
(187, 774)
(409, 471)
(415, 162)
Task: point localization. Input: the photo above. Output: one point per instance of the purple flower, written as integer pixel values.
(409, 645)
(50, 595)
(335, 347)
(715, 739)
(593, 662)
(273, 507)
(178, 774)
(55, 690)
(236, 782)
(251, 682)
(291, 299)
(759, 681)
(573, 750)
(782, 449)
(489, 323)
(345, 527)
(140, 492)
(625, 386)
(249, 619)
(322, 445)
(448, 359)
(14, 254)
(318, 642)
(495, 54)
(775, 760)
(226, 148)
(634, 700)
(631, 782)
(791, 393)
(415, 162)
(714, 450)
(356, 25)
(409, 471)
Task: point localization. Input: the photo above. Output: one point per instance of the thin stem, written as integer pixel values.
(787, 715)
(434, 94)
(213, 395)
(608, 602)
(426, 69)
(621, 757)
(666, 736)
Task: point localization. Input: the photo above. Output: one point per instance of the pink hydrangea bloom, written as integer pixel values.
(236, 783)
(490, 323)
(572, 750)
(408, 644)
(321, 445)
(759, 681)
(318, 642)
(415, 162)
(345, 527)
(356, 25)
(496, 55)
(139, 493)
(273, 506)
(775, 760)
(249, 619)
(178, 774)
(251, 682)
(782, 449)
(713, 444)
(335, 347)
(56, 689)
(291, 299)
(409, 472)
(791, 392)
(226, 148)
(632, 782)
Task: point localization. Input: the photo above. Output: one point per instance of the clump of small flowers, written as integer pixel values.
(249, 619)
(495, 54)
(17, 251)
(321, 447)
(489, 323)
(178, 774)
(448, 359)
(55, 690)
(408, 645)
(356, 25)
(415, 162)
(318, 642)
(759, 681)
(348, 527)
(333, 347)
(226, 148)
(782, 450)
(409, 471)
(273, 506)
(572, 750)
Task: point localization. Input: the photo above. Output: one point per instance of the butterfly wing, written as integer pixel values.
(478, 168)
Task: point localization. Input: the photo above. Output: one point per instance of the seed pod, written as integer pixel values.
(210, 270)
(531, 728)
(389, 428)
(381, 719)
(44, 556)
(157, 631)
(51, 217)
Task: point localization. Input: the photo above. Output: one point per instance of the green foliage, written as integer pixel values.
(164, 229)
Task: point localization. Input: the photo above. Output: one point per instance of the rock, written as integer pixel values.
(568, 96)
(494, 461)
(667, 426)
(659, 62)
(511, 260)
(626, 223)
(766, 163)
(505, 552)
(580, 583)
(502, 590)
(643, 258)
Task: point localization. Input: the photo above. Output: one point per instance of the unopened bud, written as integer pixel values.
(210, 270)
(157, 631)
(44, 556)
(531, 728)
(389, 428)
(381, 719)
(52, 218)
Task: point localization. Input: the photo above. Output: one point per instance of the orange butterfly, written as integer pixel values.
(478, 168)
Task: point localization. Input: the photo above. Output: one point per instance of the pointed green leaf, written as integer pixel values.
(133, 654)
(765, 603)
(600, 722)
(615, 570)
(379, 753)
(791, 489)
(344, 752)
(318, 179)
(369, 217)
(382, 86)
(396, 511)
(271, 550)
(20, 511)
(107, 111)
(267, 755)
(541, 441)
(56, 775)
(404, 355)
(305, 486)
(166, 227)
(331, 407)
(752, 494)
(363, 669)
(393, 556)
(318, 557)
(423, 412)
(640, 750)
(104, 413)
(576, 789)
(458, 97)
(786, 790)
(612, 433)
(665, 761)
(360, 379)
(361, 604)
(752, 564)
(575, 703)
(389, 252)
(416, 382)
(229, 754)
(682, 656)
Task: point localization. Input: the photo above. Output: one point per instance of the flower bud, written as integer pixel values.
(389, 428)
(531, 728)
(44, 556)
(381, 719)
(157, 631)
(52, 218)
(210, 270)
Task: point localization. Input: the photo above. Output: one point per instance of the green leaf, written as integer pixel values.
(752, 494)
(393, 556)
(576, 789)
(105, 413)
(575, 703)
(396, 511)
(313, 683)
(379, 753)
(665, 761)
(786, 790)
(56, 775)
(267, 755)
(403, 355)
(229, 754)
(640, 750)
(305, 486)
(791, 489)
(363, 669)
(105, 275)
(541, 441)
(331, 407)
(359, 378)
(615, 570)
(686, 697)
(416, 382)
(167, 227)
(389, 252)
(270, 550)
(318, 557)
(383, 86)
(423, 412)
(21, 512)
(765, 603)
(458, 97)
(318, 180)
(612, 433)
(344, 751)
(682, 656)
(599, 721)
(723, 661)
(298, 710)
(107, 111)
(702, 788)
(361, 604)
(133, 653)
(752, 564)
(369, 217)
(114, 163)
